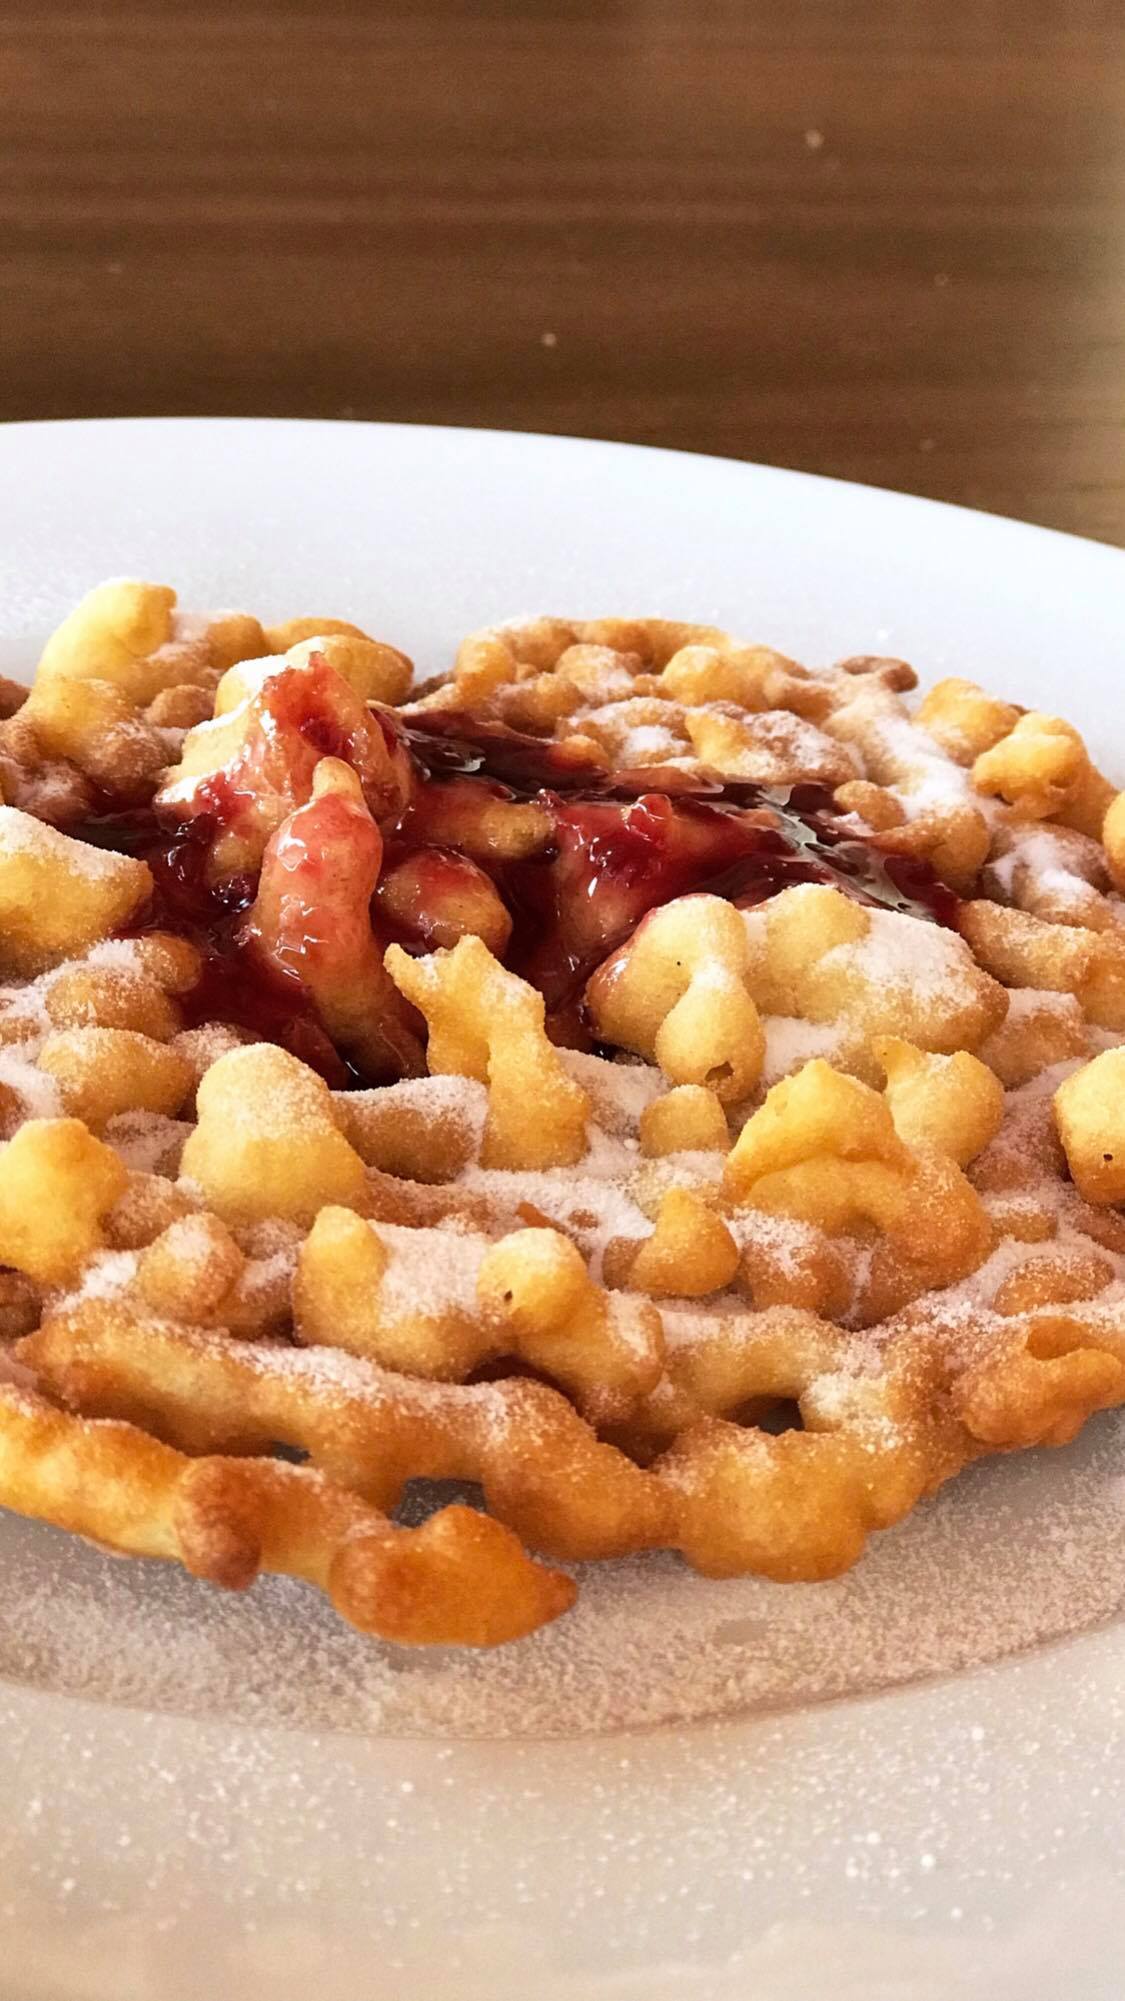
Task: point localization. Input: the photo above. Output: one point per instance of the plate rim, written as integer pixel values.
(577, 440)
(899, 1706)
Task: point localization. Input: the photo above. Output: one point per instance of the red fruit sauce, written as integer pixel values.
(621, 844)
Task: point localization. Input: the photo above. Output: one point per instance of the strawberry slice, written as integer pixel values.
(311, 922)
(248, 770)
(610, 863)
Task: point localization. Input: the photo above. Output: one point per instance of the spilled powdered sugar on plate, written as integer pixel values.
(1011, 1554)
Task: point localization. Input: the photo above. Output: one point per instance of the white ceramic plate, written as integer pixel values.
(160, 1837)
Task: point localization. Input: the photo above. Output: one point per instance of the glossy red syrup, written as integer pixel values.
(236, 985)
(627, 842)
(615, 846)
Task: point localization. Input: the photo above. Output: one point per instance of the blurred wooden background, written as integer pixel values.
(878, 238)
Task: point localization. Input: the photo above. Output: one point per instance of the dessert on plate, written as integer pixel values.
(675, 1093)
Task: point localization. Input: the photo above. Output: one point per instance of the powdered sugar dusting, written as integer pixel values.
(1026, 1002)
(786, 1239)
(902, 952)
(648, 1641)
(38, 1092)
(114, 954)
(619, 1092)
(106, 1275)
(428, 1274)
(26, 1008)
(442, 1094)
(22, 834)
(592, 1209)
(924, 778)
(791, 1042)
(147, 1142)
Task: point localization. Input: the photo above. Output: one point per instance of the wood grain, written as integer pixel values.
(878, 238)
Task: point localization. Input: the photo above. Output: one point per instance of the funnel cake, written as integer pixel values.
(675, 1094)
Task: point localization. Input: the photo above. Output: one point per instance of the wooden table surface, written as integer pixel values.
(878, 238)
